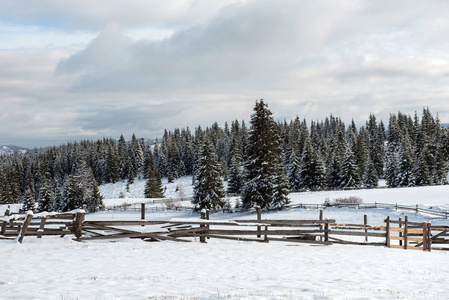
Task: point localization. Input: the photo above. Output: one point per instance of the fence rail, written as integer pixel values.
(433, 212)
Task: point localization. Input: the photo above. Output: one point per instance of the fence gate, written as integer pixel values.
(407, 235)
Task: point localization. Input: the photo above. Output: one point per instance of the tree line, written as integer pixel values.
(261, 163)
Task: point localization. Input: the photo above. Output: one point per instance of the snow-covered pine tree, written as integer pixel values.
(264, 163)
(153, 185)
(421, 170)
(46, 198)
(391, 166)
(28, 202)
(293, 171)
(370, 179)
(406, 174)
(208, 191)
(235, 175)
(74, 193)
(349, 172)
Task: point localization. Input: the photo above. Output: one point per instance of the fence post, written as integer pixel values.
(203, 216)
(77, 226)
(400, 232)
(4, 223)
(266, 234)
(326, 231)
(405, 232)
(259, 217)
(429, 237)
(387, 229)
(321, 224)
(424, 236)
(40, 232)
(25, 226)
(416, 210)
(365, 222)
(207, 218)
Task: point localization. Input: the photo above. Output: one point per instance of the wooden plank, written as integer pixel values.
(300, 241)
(125, 223)
(415, 248)
(340, 241)
(361, 233)
(270, 232)
(396, 246)
(401, 238)
(218, 236)
(286, 222)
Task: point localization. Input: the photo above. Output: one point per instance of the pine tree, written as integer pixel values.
(235, 175)
(208, 191)
(349, 173)
(28, 202)
(311, 171)
(370, 179)
(406, 176)
(153, 185)
(263, 166)
(46, 198)
(74, 193)
(422, 174)
(293, 171)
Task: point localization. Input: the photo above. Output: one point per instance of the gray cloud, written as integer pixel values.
(306, 58)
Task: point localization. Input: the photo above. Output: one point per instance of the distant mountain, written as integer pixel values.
(10, 149)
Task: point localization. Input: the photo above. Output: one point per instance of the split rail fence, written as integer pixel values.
(395, 234)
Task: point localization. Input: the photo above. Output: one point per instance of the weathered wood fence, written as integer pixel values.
(17, 226)
(435, 213)
(395, 234)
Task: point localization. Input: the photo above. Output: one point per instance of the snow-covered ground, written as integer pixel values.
(55, 268)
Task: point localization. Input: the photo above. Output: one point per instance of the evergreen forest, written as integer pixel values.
(262, 162)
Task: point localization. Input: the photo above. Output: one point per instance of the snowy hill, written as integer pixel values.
(10, 149)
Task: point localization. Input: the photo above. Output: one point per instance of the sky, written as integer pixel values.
(72, 70)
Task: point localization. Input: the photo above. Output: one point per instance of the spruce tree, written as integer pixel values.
(293, 171)
(406, 176)
(46, 198)
(349, 172)
(153, 185)
(208, 191)
(263, 166)
(28, 202)
(370, 179)
(235, 175)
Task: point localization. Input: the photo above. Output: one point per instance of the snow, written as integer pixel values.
(60, 268)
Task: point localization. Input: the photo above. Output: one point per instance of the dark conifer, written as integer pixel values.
(264, 163)
(208, 191)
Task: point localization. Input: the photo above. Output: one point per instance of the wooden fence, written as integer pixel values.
(439, 214)
(17, 226)
(395, 234)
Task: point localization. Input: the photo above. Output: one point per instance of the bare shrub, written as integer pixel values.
(349, 200)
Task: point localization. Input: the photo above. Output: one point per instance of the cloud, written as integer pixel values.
(306, 58)
(95, 15)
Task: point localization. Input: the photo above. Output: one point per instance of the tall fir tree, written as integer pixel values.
(153, 185)
(235, 175)
(208, 191)
(29, 204)
(46, 198)
(263, 168)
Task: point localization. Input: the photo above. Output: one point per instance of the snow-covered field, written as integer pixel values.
(55, 268)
